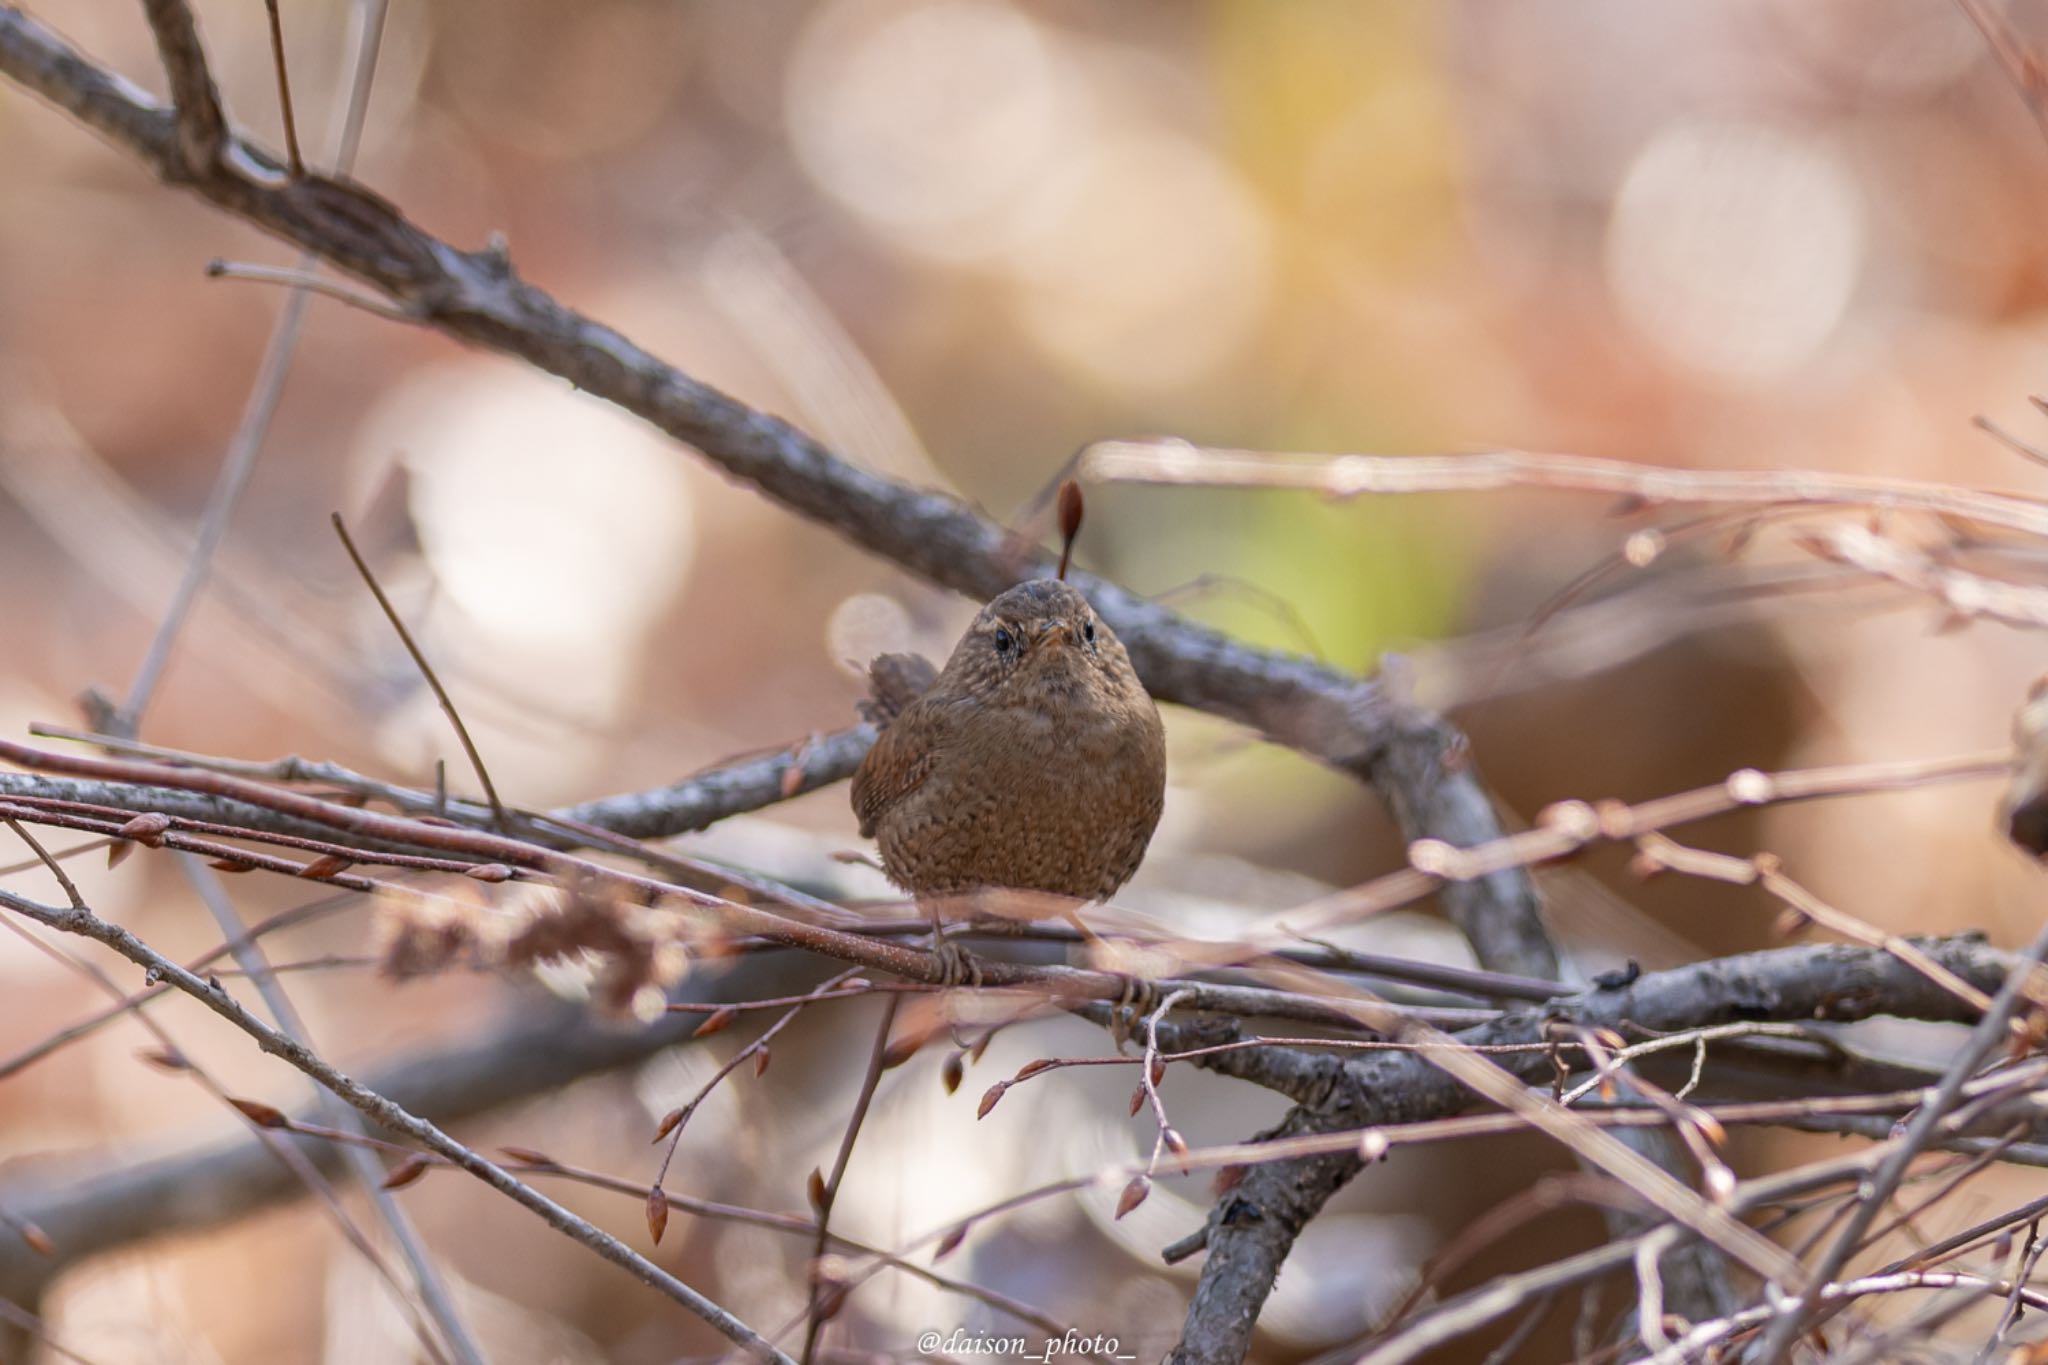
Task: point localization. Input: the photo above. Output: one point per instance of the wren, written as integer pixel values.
(1034, 760)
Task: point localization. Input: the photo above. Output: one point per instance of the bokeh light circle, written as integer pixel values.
(1735, 247)
(1145, 261)
(930, 121)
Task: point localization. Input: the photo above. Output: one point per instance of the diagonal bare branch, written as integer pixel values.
(1351, 475)
(1415, 759)
(477, 297)
(380, 1110)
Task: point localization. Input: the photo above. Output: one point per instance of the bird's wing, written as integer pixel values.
(894, 682)
(899, 763)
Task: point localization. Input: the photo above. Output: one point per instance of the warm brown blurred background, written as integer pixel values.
(958, 239)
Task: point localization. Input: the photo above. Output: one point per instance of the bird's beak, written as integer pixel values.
(1057, 635)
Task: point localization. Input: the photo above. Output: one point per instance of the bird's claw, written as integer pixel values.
(1137, 999)
(957, 967)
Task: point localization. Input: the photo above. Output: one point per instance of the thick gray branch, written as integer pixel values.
(1425, 770)
(705, 798)
(1256, 1224)
(1322, 711)
(91, 1209)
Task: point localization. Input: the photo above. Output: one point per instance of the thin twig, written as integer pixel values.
(535, 1163)
(801, 1226)
(60, 855)
(419, 658)
(1504, 1294)
(293, 160)
(307, 280)
(1967, 596)
(2023, 1274)
(1566, 827)
(1544, 1199)
(383, 1111)
(2010, 441)
(1696, 1341)
(673, 1123)
(303, 1170)
(1655, 1185)
(1765, 870)
(249, 956)
(1065, 984)
(1150, 1072)
(826, 1297)
(203, 133)
(1984, 1038)
(1183, 463)
(697, 801)
(62, 1038)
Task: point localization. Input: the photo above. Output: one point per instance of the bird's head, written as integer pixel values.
(1040, 644)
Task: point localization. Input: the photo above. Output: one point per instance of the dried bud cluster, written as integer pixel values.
(625, 953)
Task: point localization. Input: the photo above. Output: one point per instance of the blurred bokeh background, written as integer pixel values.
(959, 239)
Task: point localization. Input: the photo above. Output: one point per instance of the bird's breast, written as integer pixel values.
(1058, 798)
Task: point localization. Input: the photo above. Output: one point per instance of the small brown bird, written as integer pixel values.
(1034, 760)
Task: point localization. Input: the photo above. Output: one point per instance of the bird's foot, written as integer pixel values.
(1138, 998)
(957, 967)
(1140, 995)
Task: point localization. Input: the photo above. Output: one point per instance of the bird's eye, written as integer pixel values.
(1088, 632)
(1004, 642)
